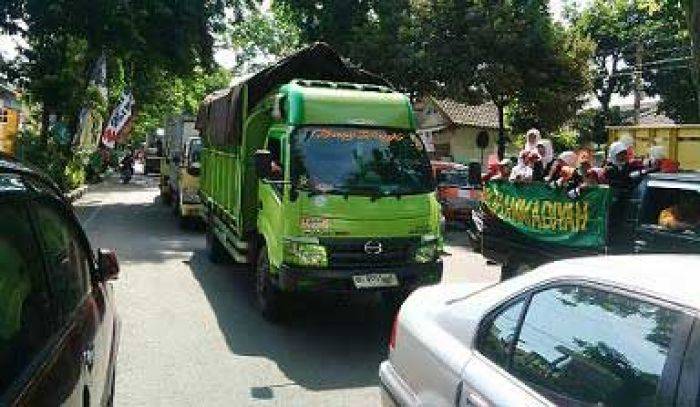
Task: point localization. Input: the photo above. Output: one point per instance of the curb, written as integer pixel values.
(76, 194)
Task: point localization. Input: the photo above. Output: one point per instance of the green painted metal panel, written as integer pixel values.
(339, 106)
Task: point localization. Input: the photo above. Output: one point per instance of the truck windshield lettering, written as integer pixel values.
(358, 161)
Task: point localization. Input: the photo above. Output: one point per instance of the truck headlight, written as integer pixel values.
(427, 251)
(305, 254)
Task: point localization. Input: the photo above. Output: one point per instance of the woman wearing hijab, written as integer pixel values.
(543, 165)
(532, 137)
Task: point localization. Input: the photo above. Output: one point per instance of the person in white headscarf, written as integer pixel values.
(618, 171)
(522, 172)
(543, 165)
(532, 137)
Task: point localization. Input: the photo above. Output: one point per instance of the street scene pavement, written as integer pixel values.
(191, 334)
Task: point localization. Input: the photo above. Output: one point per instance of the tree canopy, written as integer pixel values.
(655, 31)
(143, 42)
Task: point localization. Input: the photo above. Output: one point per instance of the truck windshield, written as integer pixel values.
(195, 151)
(454, 178)
(359, 161)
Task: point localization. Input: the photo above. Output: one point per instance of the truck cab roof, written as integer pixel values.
(680, 180)
(690, 176)
(346, 104)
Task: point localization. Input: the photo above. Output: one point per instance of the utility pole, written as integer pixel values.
(637, 83)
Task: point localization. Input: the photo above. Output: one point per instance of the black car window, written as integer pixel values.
(673, 210)
(24, 298)
(584, 345)
(499, 332)
(65, 256)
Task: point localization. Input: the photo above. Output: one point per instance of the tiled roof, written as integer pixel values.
(648, 114)
(484, 115)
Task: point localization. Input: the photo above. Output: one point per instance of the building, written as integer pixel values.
(10, 119)
(450, 129)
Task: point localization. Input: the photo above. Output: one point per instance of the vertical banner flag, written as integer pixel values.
(120, 116)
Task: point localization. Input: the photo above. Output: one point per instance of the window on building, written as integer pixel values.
(442, 150)
(4, 115)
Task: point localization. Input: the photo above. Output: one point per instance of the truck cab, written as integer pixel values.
(184, 180)
(341, 196)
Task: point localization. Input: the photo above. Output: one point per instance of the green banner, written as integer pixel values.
(548, 215)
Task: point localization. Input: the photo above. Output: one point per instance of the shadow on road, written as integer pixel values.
(324, 344)
(145, 233)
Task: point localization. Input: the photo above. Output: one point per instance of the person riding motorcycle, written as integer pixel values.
(127, 166)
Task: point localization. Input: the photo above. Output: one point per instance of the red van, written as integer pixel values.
(58, 325)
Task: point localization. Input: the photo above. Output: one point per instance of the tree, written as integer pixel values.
(264, 36)
(674, 80)
(65, 37)
(331, 21)
(391, 42)
(508, 52)
(653, 30)
(162, 94)
(692, 9)
(384, 37)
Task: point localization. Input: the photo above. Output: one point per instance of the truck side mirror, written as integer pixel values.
(263, 161)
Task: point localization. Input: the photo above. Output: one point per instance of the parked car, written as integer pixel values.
(616, 330)
(458, 190)
(58, 325)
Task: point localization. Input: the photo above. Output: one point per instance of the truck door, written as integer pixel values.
(271, 195)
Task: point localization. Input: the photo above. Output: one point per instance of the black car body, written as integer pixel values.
(58, 326)
(634, 228)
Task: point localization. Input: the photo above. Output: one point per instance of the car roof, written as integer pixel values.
(10, 165)
(690, 176)
(671, 277)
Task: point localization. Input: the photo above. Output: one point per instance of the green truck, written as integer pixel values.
(319, 183)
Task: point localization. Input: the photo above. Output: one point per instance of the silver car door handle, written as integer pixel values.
(474, 399)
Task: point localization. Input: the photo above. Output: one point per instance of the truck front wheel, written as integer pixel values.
(269, 297)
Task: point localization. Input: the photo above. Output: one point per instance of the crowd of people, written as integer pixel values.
(576, 170)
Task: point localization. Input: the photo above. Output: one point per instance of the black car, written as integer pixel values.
(58, 326)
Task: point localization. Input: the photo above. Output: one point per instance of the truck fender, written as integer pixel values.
(273, 244)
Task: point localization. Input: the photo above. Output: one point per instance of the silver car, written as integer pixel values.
(618, 330)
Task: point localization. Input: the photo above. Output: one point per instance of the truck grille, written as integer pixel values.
(350, 253)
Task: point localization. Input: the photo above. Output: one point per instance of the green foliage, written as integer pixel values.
(659, 30)
(564, 139)
(160, 95)
(53, 159)
(590, 124)
(263, 36)
(512, 53)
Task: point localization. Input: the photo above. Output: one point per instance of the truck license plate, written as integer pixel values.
(375, 280)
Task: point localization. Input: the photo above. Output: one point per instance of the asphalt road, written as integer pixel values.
(191, 335)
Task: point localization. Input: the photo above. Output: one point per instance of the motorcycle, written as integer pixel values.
(126, 173)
